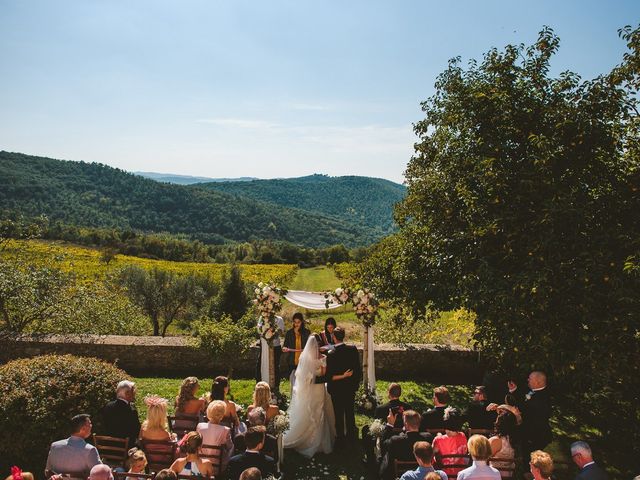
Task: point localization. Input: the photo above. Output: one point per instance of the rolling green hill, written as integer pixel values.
(362, 200)
(95, 195)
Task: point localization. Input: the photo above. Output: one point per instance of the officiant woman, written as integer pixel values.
(294, 341)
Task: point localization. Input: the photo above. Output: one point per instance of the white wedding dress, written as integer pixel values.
(311, 418)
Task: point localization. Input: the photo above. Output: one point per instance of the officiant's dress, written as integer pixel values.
(311, 419)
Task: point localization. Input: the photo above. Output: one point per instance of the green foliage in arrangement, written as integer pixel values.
(94, 195)
(360, 200)
(39, 396)
(522, 206)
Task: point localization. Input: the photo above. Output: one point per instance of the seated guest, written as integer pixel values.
(453, 442)
(219, 391)
(166, 474)
(541, 465)
(251, 457)
(101, 472)
(477, 414)
(191, 463)
(400, 447)
(120, 416)
(480, 450)
(215, 434)
(432, 418)
(423, 453)
(155, 426)
(501, 443)
(262, 398)
(136, 461)
(583, 458)
(395, 405)
(74, 454)
(251, 474)
(187, 402)
(255, 418)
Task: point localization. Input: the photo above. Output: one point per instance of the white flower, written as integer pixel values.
(339, 292)
(257, 291)
(360, 293)
(260, 285)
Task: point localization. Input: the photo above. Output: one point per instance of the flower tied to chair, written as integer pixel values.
(16, 473)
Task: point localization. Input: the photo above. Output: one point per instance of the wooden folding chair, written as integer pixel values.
(181, 424)
(455, 461)
(138, 476)
(480, 431)
(112, 450)
(401, 466)
(160, 453)
(435, 431)
(192, 477)
(67, 475)
(506, 466)
(213, 453)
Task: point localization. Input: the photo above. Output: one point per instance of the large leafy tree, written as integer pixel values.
(523, 206)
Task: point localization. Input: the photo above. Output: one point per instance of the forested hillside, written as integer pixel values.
(362, 200)
(95, 195)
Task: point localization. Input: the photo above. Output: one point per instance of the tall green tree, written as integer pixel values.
(232, 299)
(522, 206)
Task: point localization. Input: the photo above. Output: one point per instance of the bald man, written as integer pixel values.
(101, 472)
(535, 406)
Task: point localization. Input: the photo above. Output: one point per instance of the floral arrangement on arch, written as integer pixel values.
(268, 302)
(364, 303)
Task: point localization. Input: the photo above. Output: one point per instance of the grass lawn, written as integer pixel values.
(346, 464)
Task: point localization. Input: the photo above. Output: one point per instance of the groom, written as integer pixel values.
(343, 378)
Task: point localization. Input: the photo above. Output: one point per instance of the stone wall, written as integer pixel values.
(179, 356)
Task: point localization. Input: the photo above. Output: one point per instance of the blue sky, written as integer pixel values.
(261, 88)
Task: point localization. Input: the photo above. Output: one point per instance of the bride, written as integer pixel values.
(311, 419)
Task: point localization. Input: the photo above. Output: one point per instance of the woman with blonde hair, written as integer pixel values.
(480, 451)
(136, 461)
(155, 426)
(187, 402)
(220, 391)
(215, 434)
(262, 398)
(191, 463)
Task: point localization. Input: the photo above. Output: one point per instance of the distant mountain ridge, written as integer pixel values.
(95, 195)
(188, 179)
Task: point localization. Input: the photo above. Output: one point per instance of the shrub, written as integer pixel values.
(225, 340)
(39, 395)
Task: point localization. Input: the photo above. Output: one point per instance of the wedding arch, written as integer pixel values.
(268, 300)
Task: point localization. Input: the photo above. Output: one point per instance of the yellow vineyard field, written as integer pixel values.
(86, 263)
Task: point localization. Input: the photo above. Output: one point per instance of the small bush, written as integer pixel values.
(38, 396)
(224, 339)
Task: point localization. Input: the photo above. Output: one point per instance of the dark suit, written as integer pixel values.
(592, 472)
(432, 418)
(239, 463)
(270, 447)
(343, 391)
(399, 447)
(381, 412)
(121, 420)
(290, 342)
(478, 417)
(536, 432)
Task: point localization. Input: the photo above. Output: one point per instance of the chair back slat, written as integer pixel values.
(401, 466)
(434, 431)
(453, 461)
(67, 475)
(214, 454)
(139, 476)
(112, 450)
(181, 424)
(160, 453)
(506, 466)
(191, 477)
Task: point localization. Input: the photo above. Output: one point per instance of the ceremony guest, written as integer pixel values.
(262, 398)
(294, 341)
(535, 407)
(432, 418)
(187, 402)
(344, 375)
(400, 446)
(251, 474)
(480, 451)
(477, 414)
(155, 426)
(394, 404)
(136, 461)
(541, 465)
(215, 434)
(423, 453)
(326, 337)
(277, 351)
(74, 454)
(101, 472)
(219, 391)
(453, 442)
(501, 445)
(252, 457)
(191, 463)
(583, 458)
(257, 417)
(120, 416)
